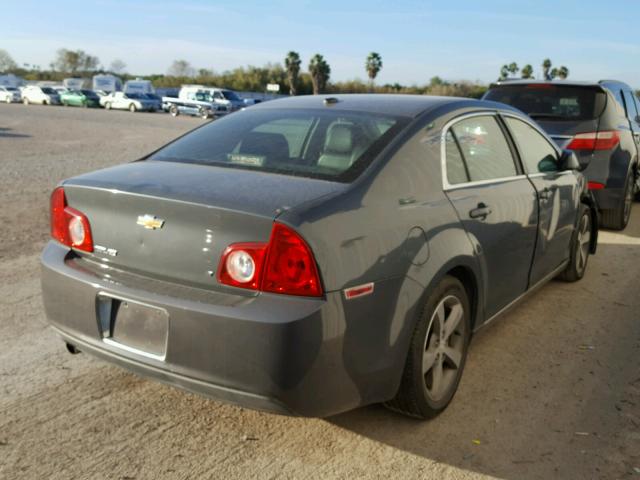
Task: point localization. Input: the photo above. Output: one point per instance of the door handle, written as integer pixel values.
(545, 194)
(481, 211)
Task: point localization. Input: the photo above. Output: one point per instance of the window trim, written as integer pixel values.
(446, 186)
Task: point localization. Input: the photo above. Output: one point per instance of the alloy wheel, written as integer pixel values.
(583, 243)
(444, 347)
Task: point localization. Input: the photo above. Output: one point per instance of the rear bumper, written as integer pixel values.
(289, 355)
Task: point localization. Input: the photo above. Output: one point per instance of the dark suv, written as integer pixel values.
(599, 121)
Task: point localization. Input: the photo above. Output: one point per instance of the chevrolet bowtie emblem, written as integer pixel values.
(150, 222)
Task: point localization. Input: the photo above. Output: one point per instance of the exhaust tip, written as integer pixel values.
(72, 349)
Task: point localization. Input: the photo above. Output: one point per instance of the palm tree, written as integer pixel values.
(527, 71)
(546, 67)
(292, 63)
(513, 68)
(319, 70)
(554, 73)
(563, 73)
(504, 72)
(373, 66)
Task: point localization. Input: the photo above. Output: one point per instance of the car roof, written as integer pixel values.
(391, 104)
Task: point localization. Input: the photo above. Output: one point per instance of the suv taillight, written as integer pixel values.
(595, 140)
(284, 265)
(68, 225)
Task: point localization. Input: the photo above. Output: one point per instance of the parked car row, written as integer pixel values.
(197, 100)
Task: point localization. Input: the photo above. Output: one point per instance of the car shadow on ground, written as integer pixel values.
(6, 133)
(549, 389)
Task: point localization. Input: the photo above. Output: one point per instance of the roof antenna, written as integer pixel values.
(330, 101)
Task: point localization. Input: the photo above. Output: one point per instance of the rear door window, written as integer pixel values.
(484, 148)
(552, 102)
(537, 154)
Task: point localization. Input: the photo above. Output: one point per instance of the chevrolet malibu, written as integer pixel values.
(311, 255)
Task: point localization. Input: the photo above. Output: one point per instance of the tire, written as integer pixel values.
(420, 395)
(202, 113)
(107, 106)
(580, 247)
(618, 218)
(25, 101)
(132, 108)
(8, 99)
(174, 111)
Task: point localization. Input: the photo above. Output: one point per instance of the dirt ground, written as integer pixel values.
(551, 390)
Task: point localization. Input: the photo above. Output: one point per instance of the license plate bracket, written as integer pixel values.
(133, 325)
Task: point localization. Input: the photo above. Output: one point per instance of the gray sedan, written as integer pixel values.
(311, 255)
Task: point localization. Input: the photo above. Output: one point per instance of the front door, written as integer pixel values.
(495, 202)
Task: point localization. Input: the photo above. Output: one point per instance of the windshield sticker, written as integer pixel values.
(244, 159)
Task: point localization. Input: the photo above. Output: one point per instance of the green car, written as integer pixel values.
(80, 98)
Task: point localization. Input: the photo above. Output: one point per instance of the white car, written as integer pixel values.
(41, 95)
(129, 101)
(9, 94)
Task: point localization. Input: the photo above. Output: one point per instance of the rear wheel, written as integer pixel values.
(618, 218)
(580, 247)
(107, 106)
(437, 353)
(132, 108)
(173, 110)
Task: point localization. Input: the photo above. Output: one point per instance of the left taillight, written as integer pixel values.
(285, 265)
(68, 225)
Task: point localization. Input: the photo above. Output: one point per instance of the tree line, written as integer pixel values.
(510, 71)
(289, 75)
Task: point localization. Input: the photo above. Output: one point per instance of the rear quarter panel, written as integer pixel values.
(394, 227)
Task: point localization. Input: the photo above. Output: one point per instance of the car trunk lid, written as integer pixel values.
(172, 221)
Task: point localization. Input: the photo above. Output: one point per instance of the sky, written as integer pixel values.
(417, 40)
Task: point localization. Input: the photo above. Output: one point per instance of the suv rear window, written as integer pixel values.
(329, 144)
(550, 101)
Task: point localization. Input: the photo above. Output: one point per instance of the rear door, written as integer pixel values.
(557, 192)
(495, 202)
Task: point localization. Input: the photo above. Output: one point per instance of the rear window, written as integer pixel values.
(334, 145)
(549, 102)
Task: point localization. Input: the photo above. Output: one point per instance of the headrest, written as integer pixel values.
(339, 139)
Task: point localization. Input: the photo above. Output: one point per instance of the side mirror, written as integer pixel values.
(569, 161)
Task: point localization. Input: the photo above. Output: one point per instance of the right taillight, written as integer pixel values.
(605, 140)
(284, 265)
(68, 225)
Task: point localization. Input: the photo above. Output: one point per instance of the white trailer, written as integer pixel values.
(107, 83)
(75, 83)
(11, 80)
(139, 86)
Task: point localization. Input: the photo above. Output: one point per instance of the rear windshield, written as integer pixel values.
(325, 144)
(549, 102)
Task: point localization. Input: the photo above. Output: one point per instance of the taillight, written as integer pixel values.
(595, 186)
(68, 225)
(284, 265)
(595, 140)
